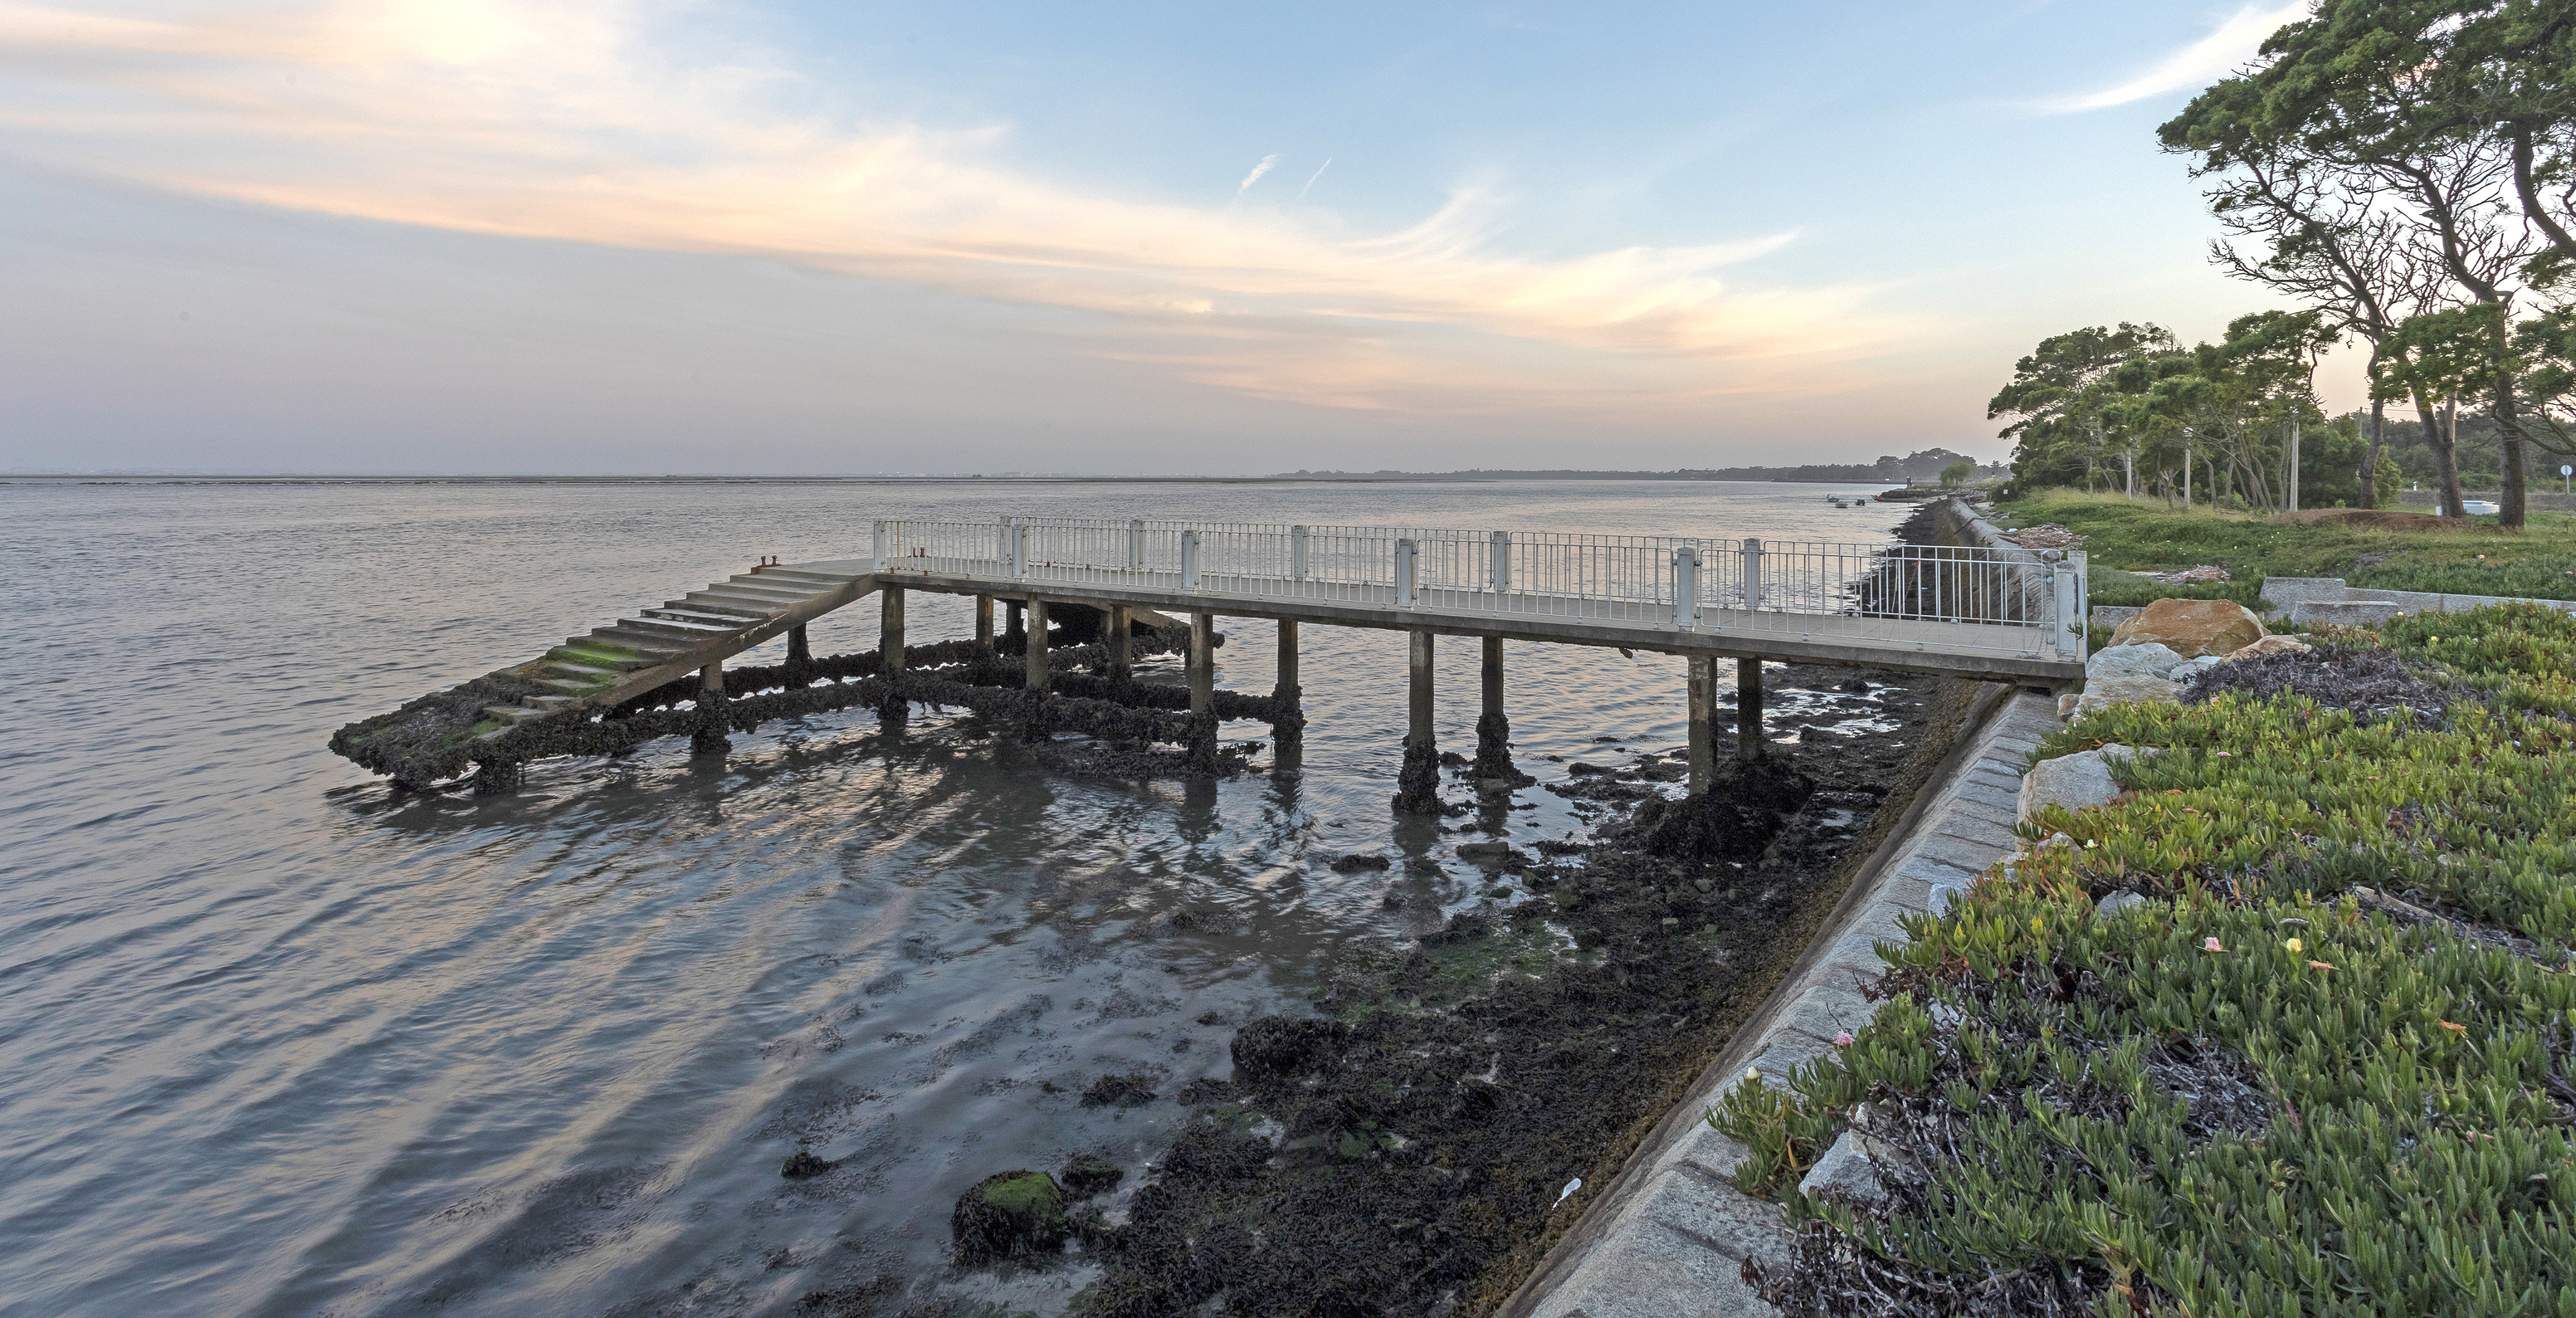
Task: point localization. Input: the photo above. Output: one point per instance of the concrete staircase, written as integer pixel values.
(705, 626)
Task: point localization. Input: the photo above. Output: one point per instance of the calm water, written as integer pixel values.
(276, 1040)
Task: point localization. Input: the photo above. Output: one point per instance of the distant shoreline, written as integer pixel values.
(1427, 478)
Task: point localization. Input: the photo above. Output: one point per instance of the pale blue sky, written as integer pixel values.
(487, 235)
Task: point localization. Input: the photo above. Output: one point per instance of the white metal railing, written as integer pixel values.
(1894, 596)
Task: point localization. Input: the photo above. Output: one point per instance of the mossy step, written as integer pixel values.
(583, 654)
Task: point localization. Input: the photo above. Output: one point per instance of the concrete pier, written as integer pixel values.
(1749, 741)
(1417, 785)
(1703, 724)
(983, 624)
(800, 657)
(1202, 669)
(1014, 632)
(1037, 651)
(1493, 728)
(1286, 694)
(890, 645)
(710, 738)
(1122, 643)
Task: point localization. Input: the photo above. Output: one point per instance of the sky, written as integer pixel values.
(558, 236)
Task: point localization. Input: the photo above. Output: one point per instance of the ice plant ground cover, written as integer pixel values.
(2323, 1068)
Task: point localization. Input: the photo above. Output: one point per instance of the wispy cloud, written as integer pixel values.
(1310, 181)
(568, 120)
(2197, 65)
(1255, 176)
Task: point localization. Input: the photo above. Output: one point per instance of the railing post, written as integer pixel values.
(1019, 554)
(1002, 552)
(1297, 553)
(1502, 564)
(1752, 574)
(1135, 544)
(1189, 560)
(1686, 588)
(1404, 574)
(2069, 589)
(879, 563)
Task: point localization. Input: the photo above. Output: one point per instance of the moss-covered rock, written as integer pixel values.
(1011, 1214)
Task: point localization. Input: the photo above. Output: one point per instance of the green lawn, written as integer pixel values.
(2121, 533)
(2262, 1091)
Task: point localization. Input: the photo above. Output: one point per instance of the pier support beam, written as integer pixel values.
(1037, 648)
(1493, 729)
(1417, 785)
(1286, 697)
(983, 624)
(1013, 632)
(1122, 643)
(1703, 724)
(890, 648)
(1202, 664)
(800, 657)
(1749, 740)
(710, 738)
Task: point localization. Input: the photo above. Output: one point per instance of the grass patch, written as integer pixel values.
(2265, 1090)
(2119, 533)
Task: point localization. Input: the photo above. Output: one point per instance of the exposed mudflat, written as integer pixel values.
(1410, 1148)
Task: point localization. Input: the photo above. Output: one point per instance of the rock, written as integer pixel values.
(2344, 613)
(1852, 1170)
(2076, 781)
(1086, 1176)
(2117, 902)
(2066, 703)
(2148, 660)
(1484, 851)
(2271, 645)
(802, 1164)
(1353, 864)
(2191, 628)
(1009, 1215)
(2126, 691)
(2190, 668)
(1277, 1047)
(1117, 1091)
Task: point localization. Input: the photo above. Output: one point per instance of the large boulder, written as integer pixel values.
(2148, 660)
(2270, 645)
(2076, 781)
(2191, 628)
(2125, 691)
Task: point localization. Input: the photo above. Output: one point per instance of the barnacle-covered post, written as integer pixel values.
(1748, 709)
(800, 657)
(1703, 718)
(1202, 665)
(1417, 785)
(983, 625)
(1037, 680)
(1287, 699)
(1493, 729)
(890, 650)
(710, 737)
(1122, 643)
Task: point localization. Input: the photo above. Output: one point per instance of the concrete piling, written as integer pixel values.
(983, 624)
(1417, 785)
(1749, 741)
(1703, 717)
(1493, 729)
(710, 738)
(1037, 649)
(800, 657)
(1202, 666)
(1014, 632)
(1122, 643)
(1286, 695)
(890, 648)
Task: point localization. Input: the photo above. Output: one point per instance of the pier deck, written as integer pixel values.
(1997, 614)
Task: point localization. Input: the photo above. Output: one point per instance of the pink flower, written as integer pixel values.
(1843, 1040)
(2210, 945)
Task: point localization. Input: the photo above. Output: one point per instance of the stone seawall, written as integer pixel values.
(1669, 1239)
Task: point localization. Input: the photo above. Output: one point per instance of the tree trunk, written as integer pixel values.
(2443, 440)
(2129, 473)
(2515, 473)
(2370, 465)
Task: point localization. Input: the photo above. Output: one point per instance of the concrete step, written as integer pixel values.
(775, 599)
(691, 632)
(557, 668)
(572, 690)
(585, 654)
(512, 713)
(651, 646)
(702, 617)
(776, 579)
(549, 704)
(759, 606)
(723, 605)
